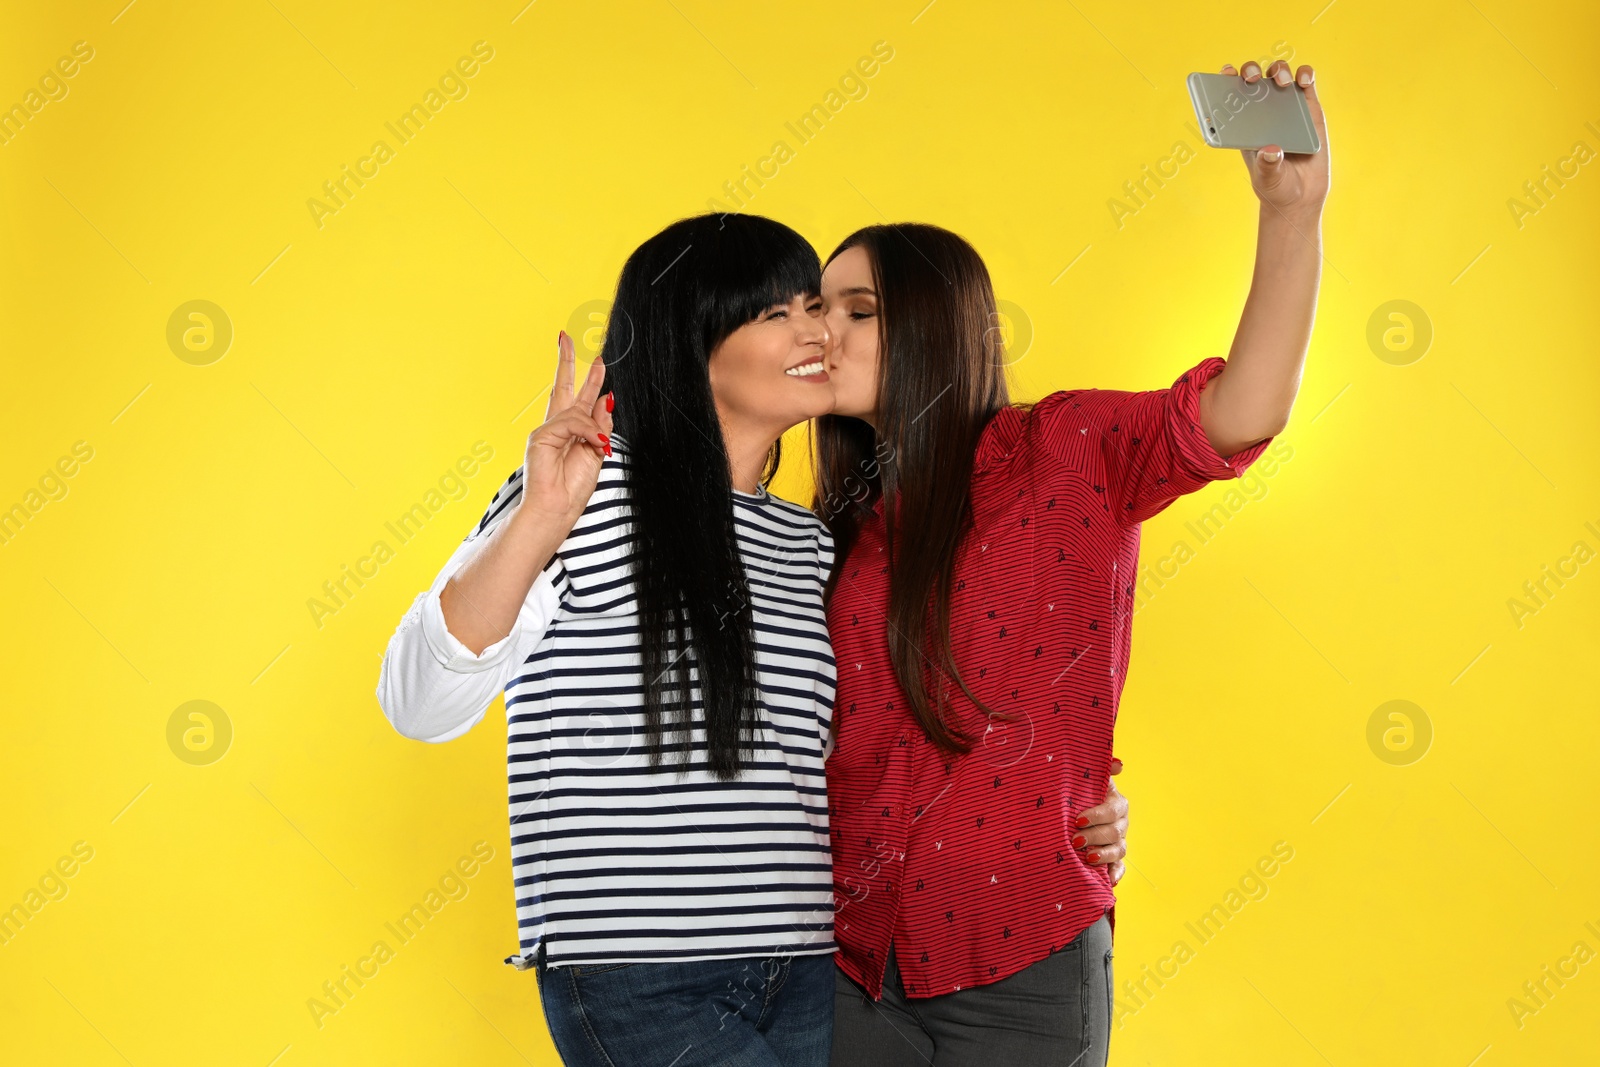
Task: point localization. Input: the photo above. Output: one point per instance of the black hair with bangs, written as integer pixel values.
(680, 294)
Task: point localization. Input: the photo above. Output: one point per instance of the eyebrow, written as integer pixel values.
(860, 290)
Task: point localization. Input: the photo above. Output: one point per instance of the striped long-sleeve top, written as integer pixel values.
(614, 862)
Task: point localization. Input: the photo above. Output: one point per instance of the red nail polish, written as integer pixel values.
(611, 402)
(1077, 842)
(604, 440)
(1094, 857)
(1083, 820)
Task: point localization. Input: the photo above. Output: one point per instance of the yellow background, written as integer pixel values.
(370, 353)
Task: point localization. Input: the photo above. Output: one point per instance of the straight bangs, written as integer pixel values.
(747, 270)
(682, 293)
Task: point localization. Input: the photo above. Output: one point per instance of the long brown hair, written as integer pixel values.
(941, 378)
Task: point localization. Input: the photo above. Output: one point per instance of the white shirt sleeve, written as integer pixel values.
(432, 687)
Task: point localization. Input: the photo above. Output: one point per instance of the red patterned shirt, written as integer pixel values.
(967, 862)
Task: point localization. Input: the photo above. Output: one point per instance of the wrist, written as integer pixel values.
(544, 527)
(1301, 217)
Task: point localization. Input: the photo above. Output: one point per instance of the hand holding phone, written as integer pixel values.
(1252, 112)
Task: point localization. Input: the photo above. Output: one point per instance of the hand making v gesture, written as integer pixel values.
(564, 454)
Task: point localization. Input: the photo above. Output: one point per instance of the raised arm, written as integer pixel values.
(1252, 398)
(563, 463)
(460, 641)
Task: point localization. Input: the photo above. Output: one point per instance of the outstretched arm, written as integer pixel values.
(1251, 399)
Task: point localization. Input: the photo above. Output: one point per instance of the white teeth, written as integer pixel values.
(805, 371)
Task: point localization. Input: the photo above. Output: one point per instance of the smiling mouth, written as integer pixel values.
(807, 370)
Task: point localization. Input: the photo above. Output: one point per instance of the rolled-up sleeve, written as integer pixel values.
(1150, 444)
(431, 686)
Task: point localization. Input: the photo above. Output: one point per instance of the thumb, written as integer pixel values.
(1269, 164)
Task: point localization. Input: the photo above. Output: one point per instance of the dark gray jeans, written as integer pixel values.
(1054, 1013)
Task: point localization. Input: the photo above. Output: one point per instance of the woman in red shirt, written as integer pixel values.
(980, 615)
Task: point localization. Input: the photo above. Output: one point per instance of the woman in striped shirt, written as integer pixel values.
(980, 615)
(654, 617)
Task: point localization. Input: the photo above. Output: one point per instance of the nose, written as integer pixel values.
(829, 346)
(817, 333)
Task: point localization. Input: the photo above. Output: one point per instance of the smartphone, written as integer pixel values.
(1233, 114)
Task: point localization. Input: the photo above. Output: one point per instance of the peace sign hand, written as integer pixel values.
(564, 456)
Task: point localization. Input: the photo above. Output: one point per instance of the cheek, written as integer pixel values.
(730, 373)
(862, 354)
(749, 383)
(853, 380)
(746, 375)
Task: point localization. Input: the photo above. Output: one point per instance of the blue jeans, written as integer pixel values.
(755, 1011)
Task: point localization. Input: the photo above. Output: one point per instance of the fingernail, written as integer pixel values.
(1272, 157)
(1083, 820)
(605, 440)
(1094, 857)
(1283, 77)
(1077, 842)
(1305, 77)
(1249, 69)
(611, 402)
